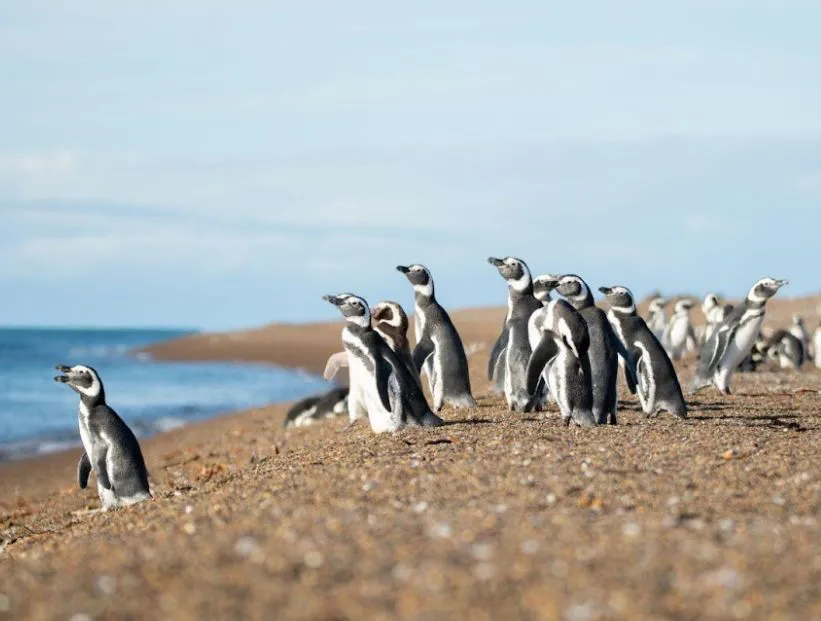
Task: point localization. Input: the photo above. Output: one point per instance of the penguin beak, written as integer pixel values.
(781, 283)
(403, 269)
(495, 261)
(63, 379)
(606, 290)
(336, 301)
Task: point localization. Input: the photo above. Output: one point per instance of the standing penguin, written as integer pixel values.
(714, 314)
(561, 357)
(381, 387)
(656, 317)
(658, 385)
(542, 287)
(604, 347)
(679, 336)
(439, 350)
(799, 331)
(733, 340)
(514, 353)
(391, 322)
(111, 449)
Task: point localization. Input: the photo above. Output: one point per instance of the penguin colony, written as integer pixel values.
(556, 346)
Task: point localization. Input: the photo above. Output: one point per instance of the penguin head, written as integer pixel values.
(683, 306)
(620, 298)
(709, 303)
(419, 276)
(80, 378)
(765, 288)
(798, 320)
(543, 285)
(353, 308)
(657, 304)
(514, 271)
(573, 287)
(390, 313)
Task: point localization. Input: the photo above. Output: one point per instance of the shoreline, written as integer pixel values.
(306, 347)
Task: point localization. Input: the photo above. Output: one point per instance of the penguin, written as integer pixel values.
(799, 331)
(381, 387)
(391, 322)
(110, 448)
(658, 385)
(439, 350)
(714, 313)
(561, 357)
(679, 337)
(733, 340)
(604, 348)
(512, 350)
(816, 346)
(318, 407)
(657, 317)
(542, 287)
(786, 348)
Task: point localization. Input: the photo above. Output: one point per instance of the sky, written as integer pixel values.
(224, 165)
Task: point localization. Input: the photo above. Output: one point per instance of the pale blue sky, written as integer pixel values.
(225, 164)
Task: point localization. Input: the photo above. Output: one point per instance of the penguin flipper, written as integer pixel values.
(102, 473)
(383, 371)
(545, 351)
(629, 365)
(335, 362)
(421, 352)
(498, 348)
(83, 470)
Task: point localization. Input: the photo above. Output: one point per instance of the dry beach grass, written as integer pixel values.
(496, 515)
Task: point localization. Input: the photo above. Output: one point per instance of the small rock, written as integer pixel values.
(313, 559)
(484, 571)
(551, 499)
(531, 546)
(106, 584)
(482, 551)
(420, 507)
(189, 528)
(631, 529)
(246, 547)
(440, 530)
(188, 509)
(730, 454)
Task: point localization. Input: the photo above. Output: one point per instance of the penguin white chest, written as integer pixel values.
(743, 340)
(85, 434)
(362, 369)
(678, 331)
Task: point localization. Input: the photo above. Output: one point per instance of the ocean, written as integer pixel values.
(38, 415)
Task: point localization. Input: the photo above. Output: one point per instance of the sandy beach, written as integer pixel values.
(495, 515)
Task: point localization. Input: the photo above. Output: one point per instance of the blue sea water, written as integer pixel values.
(38, 415)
